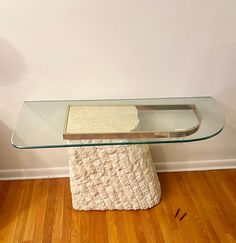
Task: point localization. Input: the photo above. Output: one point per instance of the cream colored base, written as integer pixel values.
(113, 177)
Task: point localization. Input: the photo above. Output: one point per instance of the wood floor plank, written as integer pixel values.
(228, 216)
(32, 213)
(67, 212)
(58, 222)
(208, 203)
(158, 215)
(41, 211)
(75, 227)
(112, 231)
(43, 190)
(152, 231)
(4, 187)
(97, 227)
(117, 218)
(11, 210)
(84, 228)
(50, 212)
(192, 225)
(201, 210)
(167, 197)
(24, 210)
(129, 226)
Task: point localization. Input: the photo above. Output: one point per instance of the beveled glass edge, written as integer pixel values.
(115, 99)
(116, 143)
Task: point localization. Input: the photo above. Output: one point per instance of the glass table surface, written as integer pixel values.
(44, 124)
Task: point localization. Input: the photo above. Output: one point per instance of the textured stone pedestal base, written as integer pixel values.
(113, 177)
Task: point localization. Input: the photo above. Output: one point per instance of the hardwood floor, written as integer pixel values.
(40, 211)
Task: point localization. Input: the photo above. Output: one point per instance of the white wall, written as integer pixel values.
(93, 49)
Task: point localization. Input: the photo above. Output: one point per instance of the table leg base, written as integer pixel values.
(113, 177)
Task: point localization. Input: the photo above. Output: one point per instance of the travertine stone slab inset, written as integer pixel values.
(101, 119)
(113, 177)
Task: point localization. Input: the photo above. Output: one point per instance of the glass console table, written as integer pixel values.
(109, 159)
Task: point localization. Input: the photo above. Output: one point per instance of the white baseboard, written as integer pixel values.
(195, 165)
(39, 173)
(59, 172)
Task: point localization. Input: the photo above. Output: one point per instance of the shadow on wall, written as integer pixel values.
(12, 65)
(12, 158)
(7, 153)
(157, 153)
(227, 101)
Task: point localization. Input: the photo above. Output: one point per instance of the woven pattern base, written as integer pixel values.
(113, 177)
